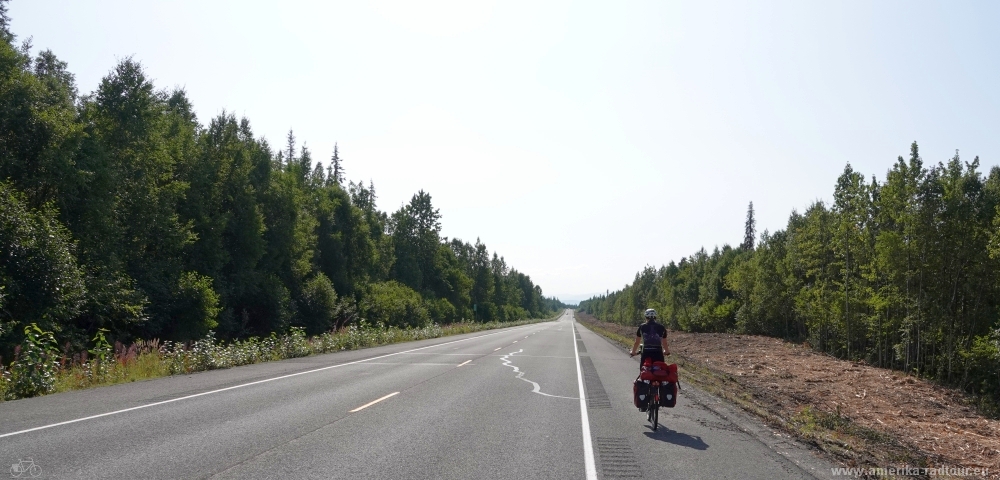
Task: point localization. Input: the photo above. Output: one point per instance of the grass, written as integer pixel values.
(148, 359)
(833, 433)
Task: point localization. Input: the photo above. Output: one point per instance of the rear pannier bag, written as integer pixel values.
(662, 372)
(668, 394)
(641, 393)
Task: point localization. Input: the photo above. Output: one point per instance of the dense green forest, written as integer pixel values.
(903, 274)
(119, 210)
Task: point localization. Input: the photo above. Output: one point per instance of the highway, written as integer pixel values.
(548, 400)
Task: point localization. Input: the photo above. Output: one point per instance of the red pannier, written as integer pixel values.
(668, 394)
(659, 378)
(659, 371)
(642, 392)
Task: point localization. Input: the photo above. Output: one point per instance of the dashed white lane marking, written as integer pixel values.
(544, 356)
(515, 341)
(92, 417)
(588, 447)
(520, 375)
(498, 348)
(449, 354)
(463, 363)
(406, 363)
(373, 402)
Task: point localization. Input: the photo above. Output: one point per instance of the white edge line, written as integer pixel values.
(588, 446)
(463, 363)
(76, 420)
(373, 402)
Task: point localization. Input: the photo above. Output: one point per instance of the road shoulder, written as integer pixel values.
(703, 435)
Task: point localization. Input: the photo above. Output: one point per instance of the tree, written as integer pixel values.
(129, 208)
(120, 212)
(290, 148)
(335, 170)
(40, 279)
(5, 34)
(902, 274)
(40, 136)
(750, 230)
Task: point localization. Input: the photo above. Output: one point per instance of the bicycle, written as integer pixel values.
(22, 467)
(653, 410)
(653, 413)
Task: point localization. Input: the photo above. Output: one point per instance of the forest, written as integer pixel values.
(902, 273)
(121, 213)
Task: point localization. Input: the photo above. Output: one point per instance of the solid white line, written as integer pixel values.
(67, 422)
(373, 402)
(588, 446)
(463, 363)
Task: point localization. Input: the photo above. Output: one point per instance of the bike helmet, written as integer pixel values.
(650, 314)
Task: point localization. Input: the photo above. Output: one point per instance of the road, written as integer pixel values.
(502, 404)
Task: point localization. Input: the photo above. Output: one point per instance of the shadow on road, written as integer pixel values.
(665, 434)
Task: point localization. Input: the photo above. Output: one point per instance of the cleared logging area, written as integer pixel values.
(862, 415)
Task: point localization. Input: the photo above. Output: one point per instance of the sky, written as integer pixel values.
(579, 140)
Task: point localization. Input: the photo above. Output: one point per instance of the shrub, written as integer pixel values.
(103, 355)
(441, 310)
(982, 359)
(34, 369)
(394, 304)
(196, 306)
(318, 304)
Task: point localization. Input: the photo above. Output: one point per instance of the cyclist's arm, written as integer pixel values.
(666, 348)
(635, 346)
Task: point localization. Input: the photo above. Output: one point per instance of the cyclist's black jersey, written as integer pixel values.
(651, 333)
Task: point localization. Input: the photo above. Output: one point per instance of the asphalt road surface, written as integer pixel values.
(548, 400)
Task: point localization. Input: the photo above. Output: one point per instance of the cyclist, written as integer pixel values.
(653, 337)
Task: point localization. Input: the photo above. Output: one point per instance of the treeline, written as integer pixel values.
(903, 274)
(120, 211)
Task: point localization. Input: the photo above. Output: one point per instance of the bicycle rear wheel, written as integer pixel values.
(656, 417)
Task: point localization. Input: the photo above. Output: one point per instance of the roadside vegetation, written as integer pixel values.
(902, 273)
(124, 217)
(41, 368)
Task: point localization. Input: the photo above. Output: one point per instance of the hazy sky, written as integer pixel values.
(581, 140)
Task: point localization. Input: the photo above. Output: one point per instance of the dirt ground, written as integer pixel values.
(787, 378)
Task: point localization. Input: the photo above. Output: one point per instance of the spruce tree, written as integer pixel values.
(751, 230)
(336, 168)
(5, 34)
(291, 147)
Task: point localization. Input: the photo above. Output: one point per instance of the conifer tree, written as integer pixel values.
(750, 231)
(290, 142)
(5, 34)
(335, 171)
